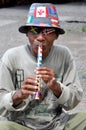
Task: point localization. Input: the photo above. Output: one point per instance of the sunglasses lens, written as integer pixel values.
(35, 30)
(44, 31)
(48, 31)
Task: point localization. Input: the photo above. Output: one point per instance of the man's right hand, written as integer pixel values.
(29, 87)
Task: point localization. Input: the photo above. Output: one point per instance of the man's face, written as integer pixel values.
(43, 36)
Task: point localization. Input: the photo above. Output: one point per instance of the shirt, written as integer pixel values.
(47, 113)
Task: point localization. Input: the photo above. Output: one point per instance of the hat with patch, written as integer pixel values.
(42, 15)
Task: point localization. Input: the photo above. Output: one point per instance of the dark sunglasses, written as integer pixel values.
(44, 31)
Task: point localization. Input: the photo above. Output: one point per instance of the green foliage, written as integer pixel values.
(84, 28)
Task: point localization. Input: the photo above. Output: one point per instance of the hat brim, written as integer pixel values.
(24, 29)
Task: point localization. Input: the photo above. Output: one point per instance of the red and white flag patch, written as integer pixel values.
(41, 12)
(55, 21)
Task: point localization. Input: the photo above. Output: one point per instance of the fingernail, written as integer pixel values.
(36, 87)
(36, 81)
(34, 93)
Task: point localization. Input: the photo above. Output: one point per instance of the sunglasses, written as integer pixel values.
(38, 30)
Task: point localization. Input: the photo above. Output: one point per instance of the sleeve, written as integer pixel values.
(70, 85)
(7, 88)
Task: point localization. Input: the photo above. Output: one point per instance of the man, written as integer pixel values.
(60, 88)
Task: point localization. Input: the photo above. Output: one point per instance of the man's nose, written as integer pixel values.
(40, 37)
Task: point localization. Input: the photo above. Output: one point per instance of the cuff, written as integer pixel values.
(64, 97)
(8, 103)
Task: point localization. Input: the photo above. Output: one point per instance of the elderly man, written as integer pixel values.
(38, 81)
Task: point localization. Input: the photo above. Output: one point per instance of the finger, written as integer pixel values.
(29, 87)
(27, 93)
(44, 71)
(31, 81)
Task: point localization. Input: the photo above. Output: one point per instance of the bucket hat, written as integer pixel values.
(42, 15)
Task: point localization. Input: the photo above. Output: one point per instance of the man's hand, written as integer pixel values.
(47, 74)
(29, 87)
